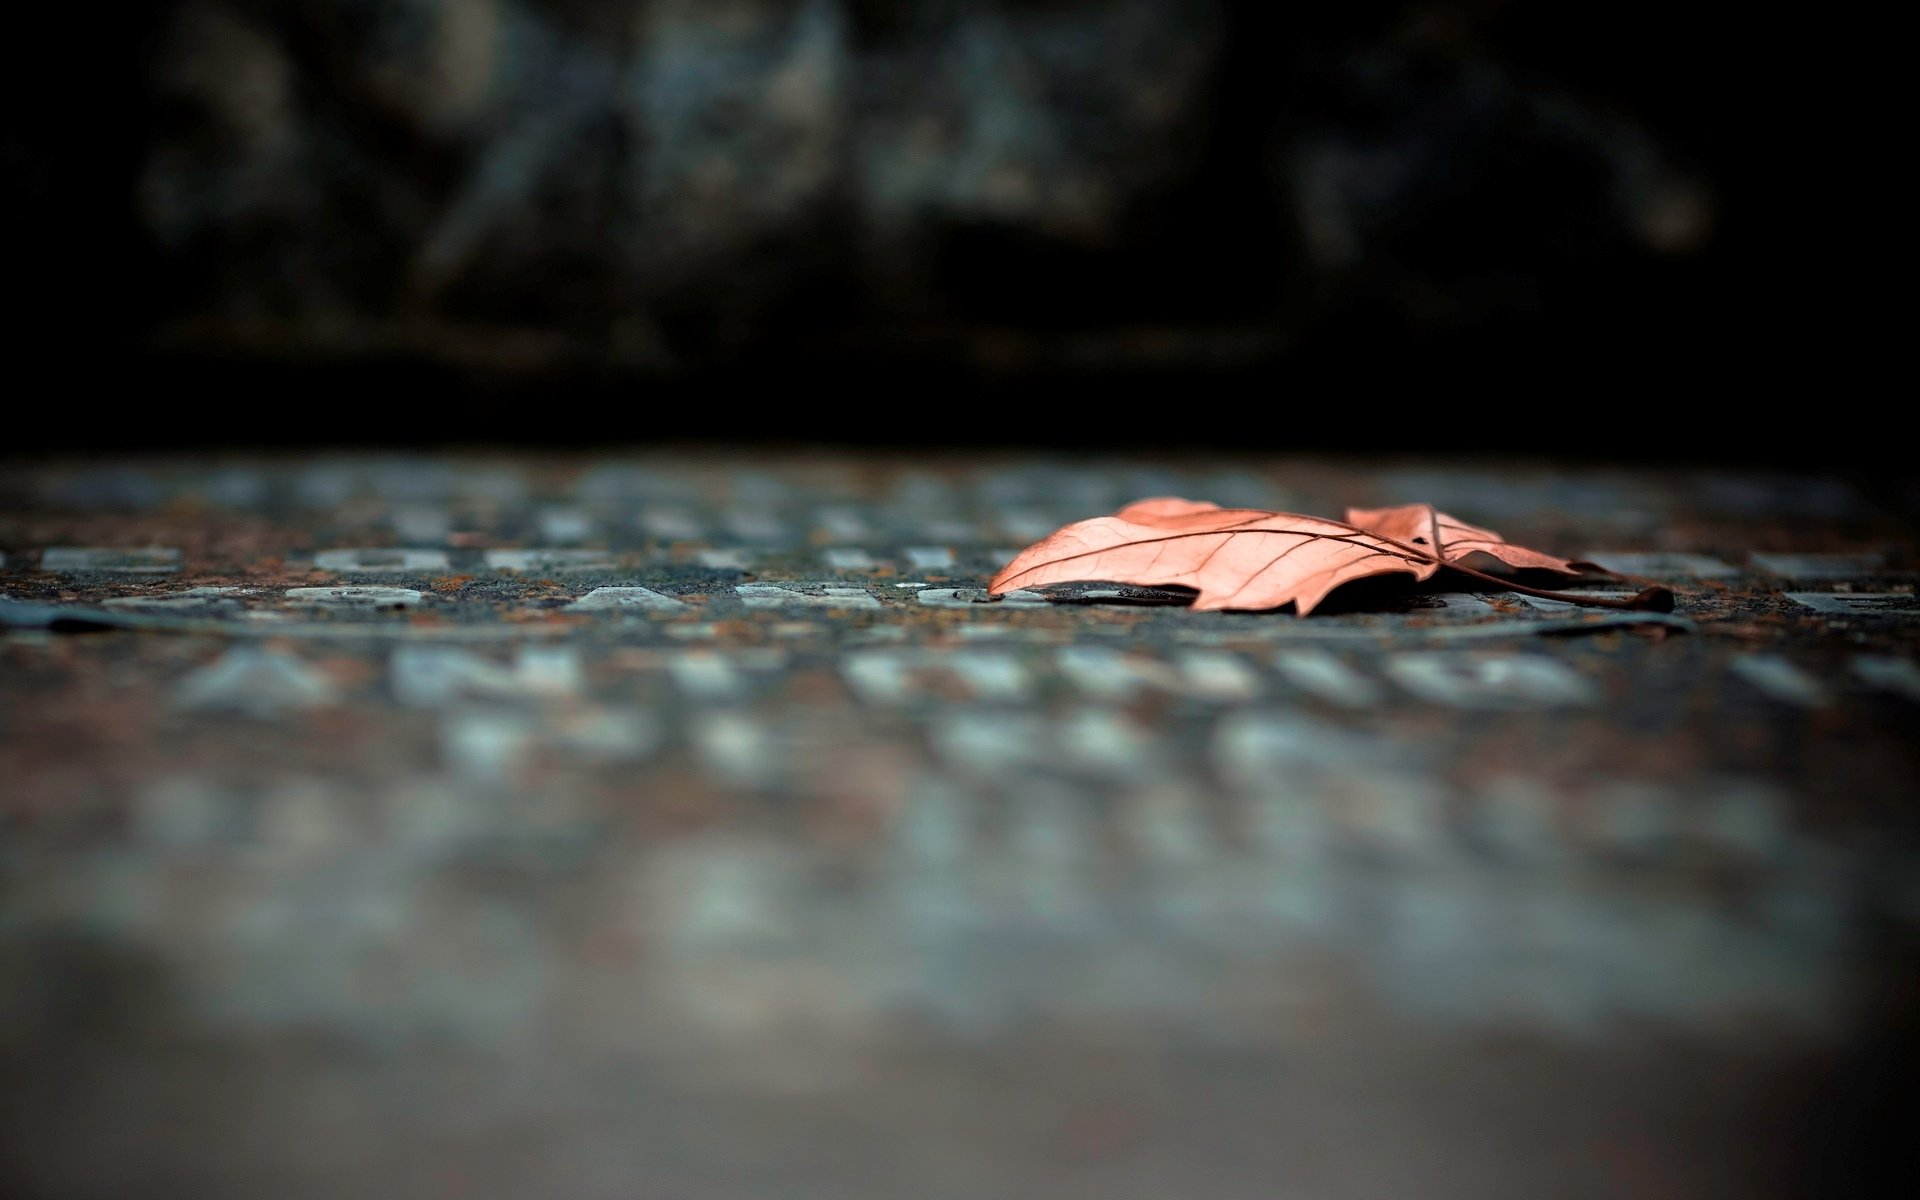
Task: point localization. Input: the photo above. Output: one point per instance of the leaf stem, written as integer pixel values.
(1653, 599)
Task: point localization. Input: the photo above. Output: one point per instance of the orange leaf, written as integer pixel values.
(1419, 525)
(1246, 558)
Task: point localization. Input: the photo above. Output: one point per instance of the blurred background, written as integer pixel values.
(498, 693)
(461, 205)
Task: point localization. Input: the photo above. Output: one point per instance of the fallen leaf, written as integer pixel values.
(1233, 557)
(1244, 558)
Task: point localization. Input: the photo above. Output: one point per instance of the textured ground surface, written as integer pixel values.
(353, 844)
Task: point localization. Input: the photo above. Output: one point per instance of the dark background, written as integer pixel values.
(1405, 226)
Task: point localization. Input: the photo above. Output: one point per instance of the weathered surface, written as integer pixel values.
(689, 826)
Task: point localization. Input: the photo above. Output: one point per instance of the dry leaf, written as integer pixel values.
(1243, 558)
(1234, 557)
